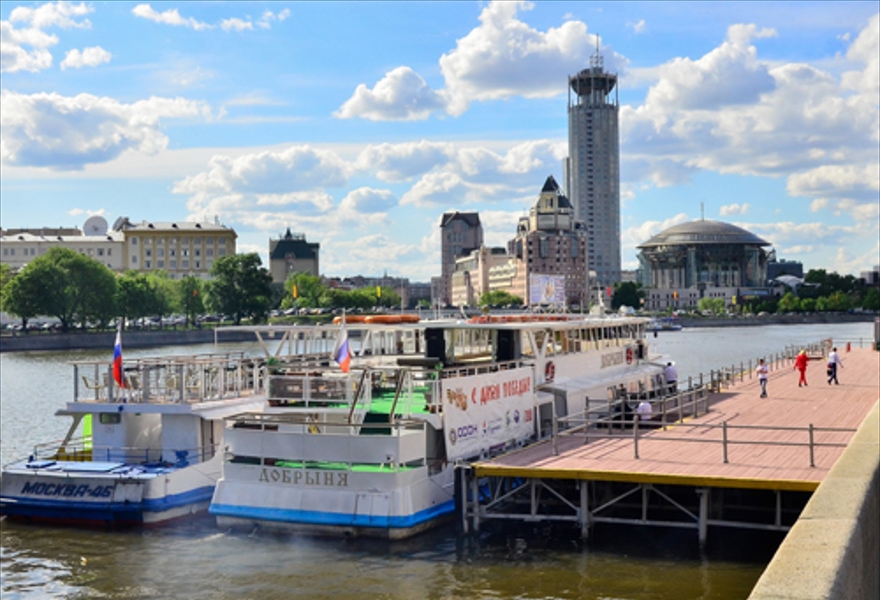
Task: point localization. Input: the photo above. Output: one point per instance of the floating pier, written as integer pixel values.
(719, 458)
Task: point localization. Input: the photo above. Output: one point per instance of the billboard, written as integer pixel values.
(547, 289)
(487, 410)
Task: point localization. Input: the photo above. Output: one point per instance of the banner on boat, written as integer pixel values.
(487, 410)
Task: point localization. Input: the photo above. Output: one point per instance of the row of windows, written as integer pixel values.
(184, 252)
(185, 241)
(172, 263)
(33, 251)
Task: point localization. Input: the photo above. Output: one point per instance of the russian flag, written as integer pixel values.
(117, 359)
(341, 351)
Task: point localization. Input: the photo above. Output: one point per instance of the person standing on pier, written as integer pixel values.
(763, 372)
(833, 362)
(671, 375)
(800, 363)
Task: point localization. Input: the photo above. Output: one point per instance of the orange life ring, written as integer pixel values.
(349, 319)
(629, 356)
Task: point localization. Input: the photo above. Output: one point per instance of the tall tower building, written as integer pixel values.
(460, 234)
(592, 169)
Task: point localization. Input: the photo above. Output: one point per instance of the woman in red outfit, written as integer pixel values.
(800, 363)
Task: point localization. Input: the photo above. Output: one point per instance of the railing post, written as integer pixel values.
(724, 439)
(812, 457)
(636, 435)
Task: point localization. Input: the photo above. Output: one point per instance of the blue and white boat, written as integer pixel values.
(141, 454)
(372, 451)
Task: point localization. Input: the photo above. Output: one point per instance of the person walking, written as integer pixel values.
(833, 362)
(763, 373)
(800, 363)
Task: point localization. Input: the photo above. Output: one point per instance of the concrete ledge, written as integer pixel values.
(106, 339)
(833, 551)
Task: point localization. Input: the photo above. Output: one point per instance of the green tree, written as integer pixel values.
(66, 285)
(190, 297)
(241, 287)
(21, 298)
(499, 298)
(872, 300)
(710, 305)
(627, 293)
(165, 294)
(303, 289)
(789, 303)
(135, 296)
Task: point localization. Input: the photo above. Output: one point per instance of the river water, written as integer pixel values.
(196, 560)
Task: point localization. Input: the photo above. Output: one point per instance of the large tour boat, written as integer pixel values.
(366, 420)
(140, 453)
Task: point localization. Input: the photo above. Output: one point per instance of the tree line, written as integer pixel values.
(77, 290)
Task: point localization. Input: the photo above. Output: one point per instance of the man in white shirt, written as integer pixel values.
(833, 362)
(671, 375)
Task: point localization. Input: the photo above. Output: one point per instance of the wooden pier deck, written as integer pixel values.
(692, 453)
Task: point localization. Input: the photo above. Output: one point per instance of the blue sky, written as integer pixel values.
(359, 124)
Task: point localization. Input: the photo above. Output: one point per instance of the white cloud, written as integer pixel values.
(501, 58)
(268, 17)
(53, 14)
(13, 54)
(168, 17)
(402, 95)
(865, 50)
(641, 233)
(437, 189)
(785, 120)
(297, 168)
(89, 57)
(734, 209)
(236, 24)
(504, 57)
(63, 132)
(399, 162)
(366, 206)
(638, 27)
(729, 74)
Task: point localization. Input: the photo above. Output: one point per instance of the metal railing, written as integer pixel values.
(726, 440)
(82, 450)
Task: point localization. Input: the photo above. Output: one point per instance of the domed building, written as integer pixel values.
(702, 259)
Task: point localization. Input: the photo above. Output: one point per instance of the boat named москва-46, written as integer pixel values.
(142, 454)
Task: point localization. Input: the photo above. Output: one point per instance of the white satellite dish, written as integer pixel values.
(95, 225)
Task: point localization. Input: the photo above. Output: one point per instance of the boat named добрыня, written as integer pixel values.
(144, 453)
(371, 451)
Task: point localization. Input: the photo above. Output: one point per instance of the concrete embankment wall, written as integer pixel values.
(105, 340)
(818, 318)
(833, 551)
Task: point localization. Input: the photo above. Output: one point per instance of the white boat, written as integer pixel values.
(372, 451)
(664, 324)
(141, 454)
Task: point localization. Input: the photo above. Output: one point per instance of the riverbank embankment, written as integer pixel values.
(833, 550)
(792, 319)
(106, 339)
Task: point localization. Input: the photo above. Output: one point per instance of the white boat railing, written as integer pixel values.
(171, 379)
(81, 450)
(268, 439)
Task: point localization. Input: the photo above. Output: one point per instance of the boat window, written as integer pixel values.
(109, 418)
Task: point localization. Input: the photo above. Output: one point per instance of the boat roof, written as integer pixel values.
(513, 321)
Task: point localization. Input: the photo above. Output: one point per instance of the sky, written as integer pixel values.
(360, 124)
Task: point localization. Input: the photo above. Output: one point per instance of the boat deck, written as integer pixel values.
(767, 439)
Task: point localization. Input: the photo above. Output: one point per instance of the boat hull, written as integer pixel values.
(59, 493)
(391, 506)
